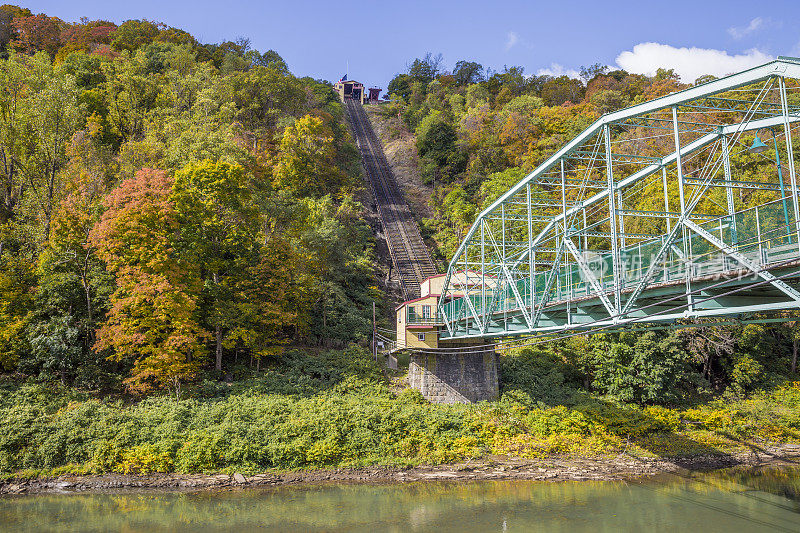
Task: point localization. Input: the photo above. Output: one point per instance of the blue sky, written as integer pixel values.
(379, 38)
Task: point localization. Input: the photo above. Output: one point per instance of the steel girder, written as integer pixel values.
(514, 297)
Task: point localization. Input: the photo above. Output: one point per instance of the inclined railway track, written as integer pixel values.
(410, 256)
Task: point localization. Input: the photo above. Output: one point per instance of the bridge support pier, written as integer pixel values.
(455, 377)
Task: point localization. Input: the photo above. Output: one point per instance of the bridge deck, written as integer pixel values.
(759, 238)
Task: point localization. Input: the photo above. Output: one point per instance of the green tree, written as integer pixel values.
(274, 301)
(132, 34)
(13, 148)
(638, 367)
(339, 249)
(219, 223)
(306, 163)
(16, 302)
(56, 348)
(468, 72)
(54, 116)
(400, 86)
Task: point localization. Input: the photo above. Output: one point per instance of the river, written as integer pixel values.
(728, 501)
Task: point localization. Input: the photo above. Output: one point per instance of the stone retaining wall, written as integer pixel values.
(455, 377)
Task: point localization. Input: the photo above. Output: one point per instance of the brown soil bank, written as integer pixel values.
(623, 466)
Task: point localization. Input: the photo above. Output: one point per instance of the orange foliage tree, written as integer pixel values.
(38, 32)
(152, 319)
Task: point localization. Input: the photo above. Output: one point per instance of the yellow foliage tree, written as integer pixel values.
(306, 162)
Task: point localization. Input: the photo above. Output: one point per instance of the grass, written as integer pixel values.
(337, 410)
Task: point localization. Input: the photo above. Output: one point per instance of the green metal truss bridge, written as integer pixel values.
(669, 210)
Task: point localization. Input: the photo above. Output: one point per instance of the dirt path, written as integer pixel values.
(495, 468)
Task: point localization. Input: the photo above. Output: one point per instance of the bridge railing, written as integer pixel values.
(764, 234)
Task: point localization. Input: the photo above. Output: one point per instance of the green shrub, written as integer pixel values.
(354, 420)
(540, 374)
(145, 459)
(202, 452)
(411, 396)
(642, 367)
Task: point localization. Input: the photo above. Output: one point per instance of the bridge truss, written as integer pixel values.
(655, 213)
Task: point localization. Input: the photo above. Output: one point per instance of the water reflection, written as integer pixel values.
(727, 501)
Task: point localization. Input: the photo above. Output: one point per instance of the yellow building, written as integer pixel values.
(418, 320)
(349, 89)
(417, 323)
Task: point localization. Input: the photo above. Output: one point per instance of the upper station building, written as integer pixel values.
(350, 89)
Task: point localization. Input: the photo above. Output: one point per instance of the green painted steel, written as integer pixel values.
(684, 227)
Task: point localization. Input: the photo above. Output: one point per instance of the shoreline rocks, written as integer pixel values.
(621, 467)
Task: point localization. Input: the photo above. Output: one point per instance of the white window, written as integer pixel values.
(426, 311)
(421, 336)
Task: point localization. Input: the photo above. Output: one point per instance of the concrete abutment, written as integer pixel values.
(455, 377)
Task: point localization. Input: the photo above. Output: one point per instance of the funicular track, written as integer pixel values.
(410, 256)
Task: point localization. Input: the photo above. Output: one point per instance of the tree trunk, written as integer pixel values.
(324, 326)
(218, 334)
(218, 331)
(88, 293)
(794, 355)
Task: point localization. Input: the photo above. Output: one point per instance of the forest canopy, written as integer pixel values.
(168, 207)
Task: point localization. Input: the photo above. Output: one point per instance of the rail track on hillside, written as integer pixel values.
(410, 256)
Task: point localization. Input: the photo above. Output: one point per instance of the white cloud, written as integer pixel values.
(511, 40)
(756, 24)
(688, 63)
(558, 70)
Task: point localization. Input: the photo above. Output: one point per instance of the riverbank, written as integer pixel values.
(623, 466)
(335, 416)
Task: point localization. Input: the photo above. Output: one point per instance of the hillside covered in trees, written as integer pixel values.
(478, 131)
(186, 271)
(169, 206)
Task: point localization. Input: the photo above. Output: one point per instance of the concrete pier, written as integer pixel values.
(455, 377)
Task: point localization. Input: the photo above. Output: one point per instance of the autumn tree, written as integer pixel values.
(71, 297)
(560, 90)
(37, 33)
(85, 36)
(152, 320)
(218, 223)
(70, 259)
(7, 32)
